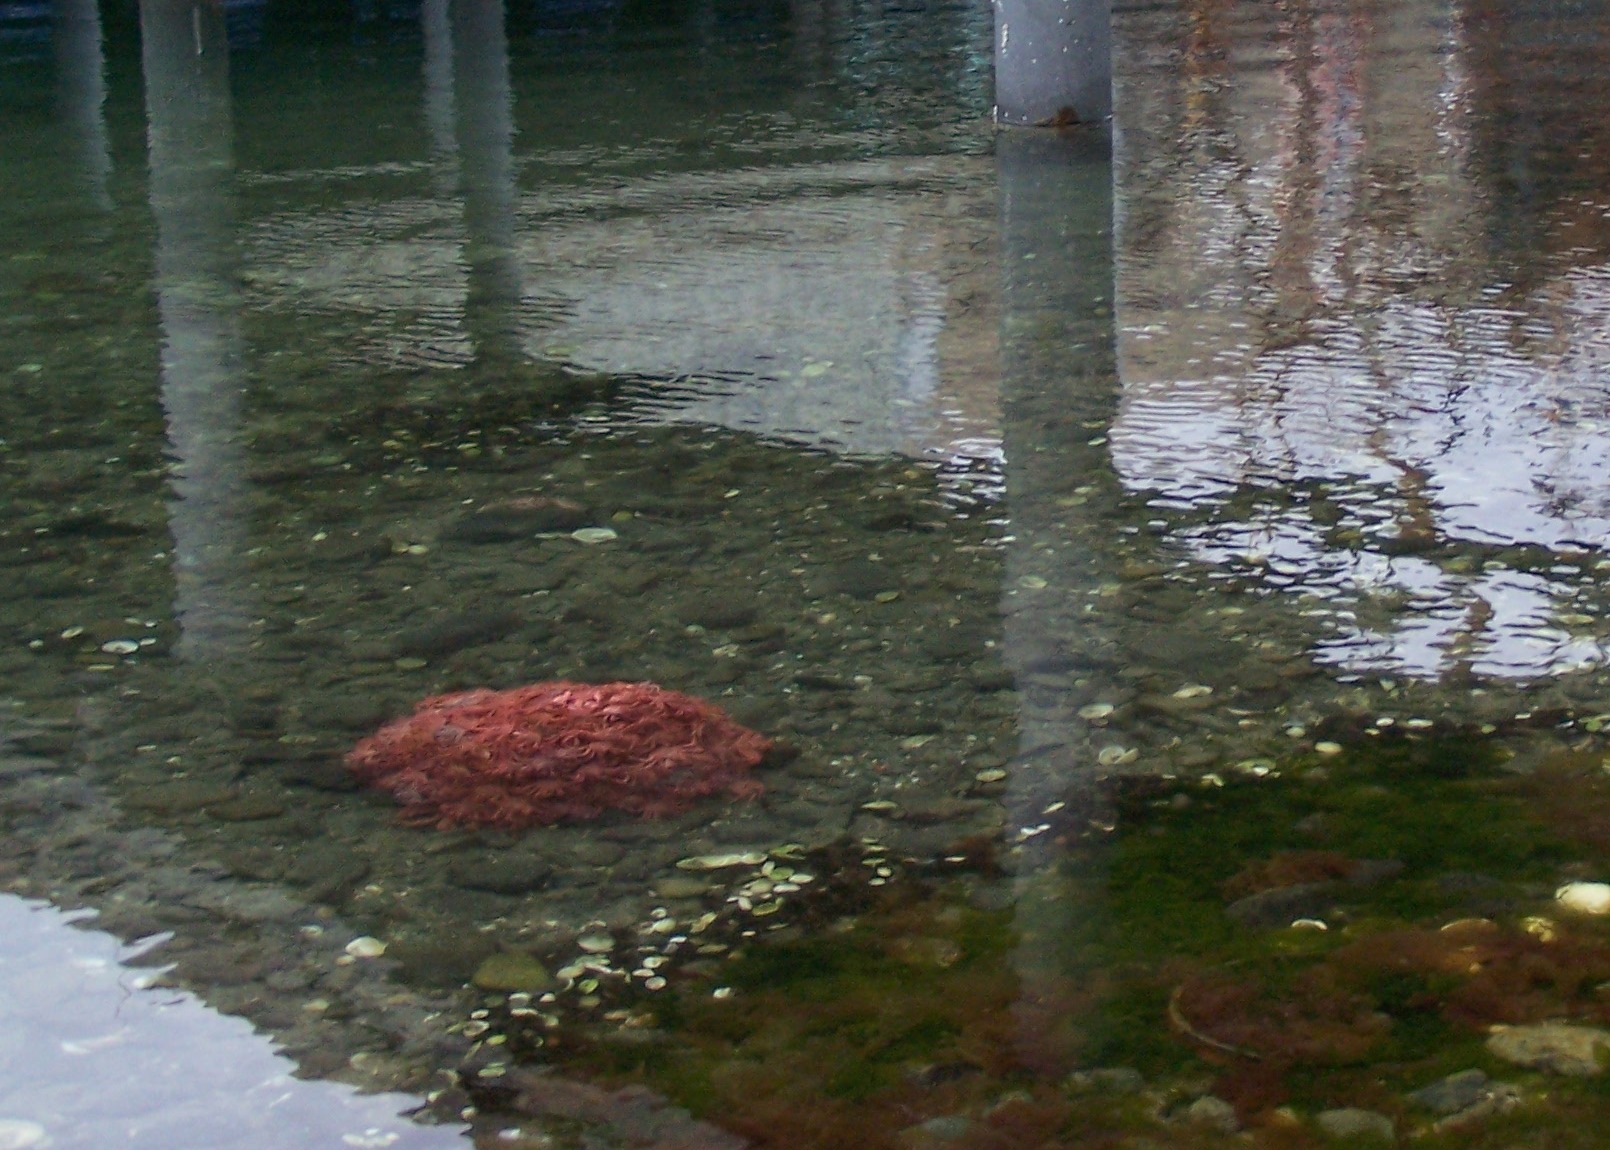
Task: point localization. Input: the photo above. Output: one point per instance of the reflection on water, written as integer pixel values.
(1320, 297)
(186, 65)
(96, 1054)
(1107, 624)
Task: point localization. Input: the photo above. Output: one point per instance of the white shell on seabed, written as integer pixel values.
(721, 861)
(1584, 897)
(593, 534)
(1114, 755)
(365, 946)
(16, 1133)
(120, 646)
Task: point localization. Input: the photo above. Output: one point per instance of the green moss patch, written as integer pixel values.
(1423, 871)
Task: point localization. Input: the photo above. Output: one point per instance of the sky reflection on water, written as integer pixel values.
(94, 1055)
(1320, 293)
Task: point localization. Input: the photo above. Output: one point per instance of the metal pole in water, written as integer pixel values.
(1053, 61)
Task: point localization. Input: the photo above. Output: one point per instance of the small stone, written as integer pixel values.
(448, 634)
(594, 535)
(1452, 1094)
(1115, 755)
(993, 679)
(43, 742)
(857, 579)
(1196, 758)
(716, 614)
(595, 852)
(1109, 1080)
(445, 961)
(822, 681)
(1214, 1113)
(722, 861)
(320, 774)
(1094, 712)
(1497, 1098)
(941, 809)
(1353, 1123)
(678, 886)
(1584, 897)
(1328, 748)
(177, 798)
(935, 1132)
(246, 809)
(1174, 706)
(510, 971)
(1539, 928)
(499, 874)
(17, 766)
(1279, 906)
(365, 946)
(329, 872)
(1555, 1046)
(517, 518)
(596, 943)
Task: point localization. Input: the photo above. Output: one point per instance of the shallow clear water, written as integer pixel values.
(1132, 547)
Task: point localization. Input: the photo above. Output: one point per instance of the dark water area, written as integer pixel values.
(1168, 564)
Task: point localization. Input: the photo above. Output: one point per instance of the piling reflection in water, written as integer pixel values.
(81, 87)
(1058, 377)
(186, 68)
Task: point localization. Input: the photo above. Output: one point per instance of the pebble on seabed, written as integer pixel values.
(593, 535)
(365, 946)
(1584, 897)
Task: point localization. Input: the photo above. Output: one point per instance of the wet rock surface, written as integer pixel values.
(1554, 1046)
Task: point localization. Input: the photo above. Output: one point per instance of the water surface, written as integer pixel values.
(1136, 546)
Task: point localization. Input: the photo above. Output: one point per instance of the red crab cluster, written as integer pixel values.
(556, 751)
